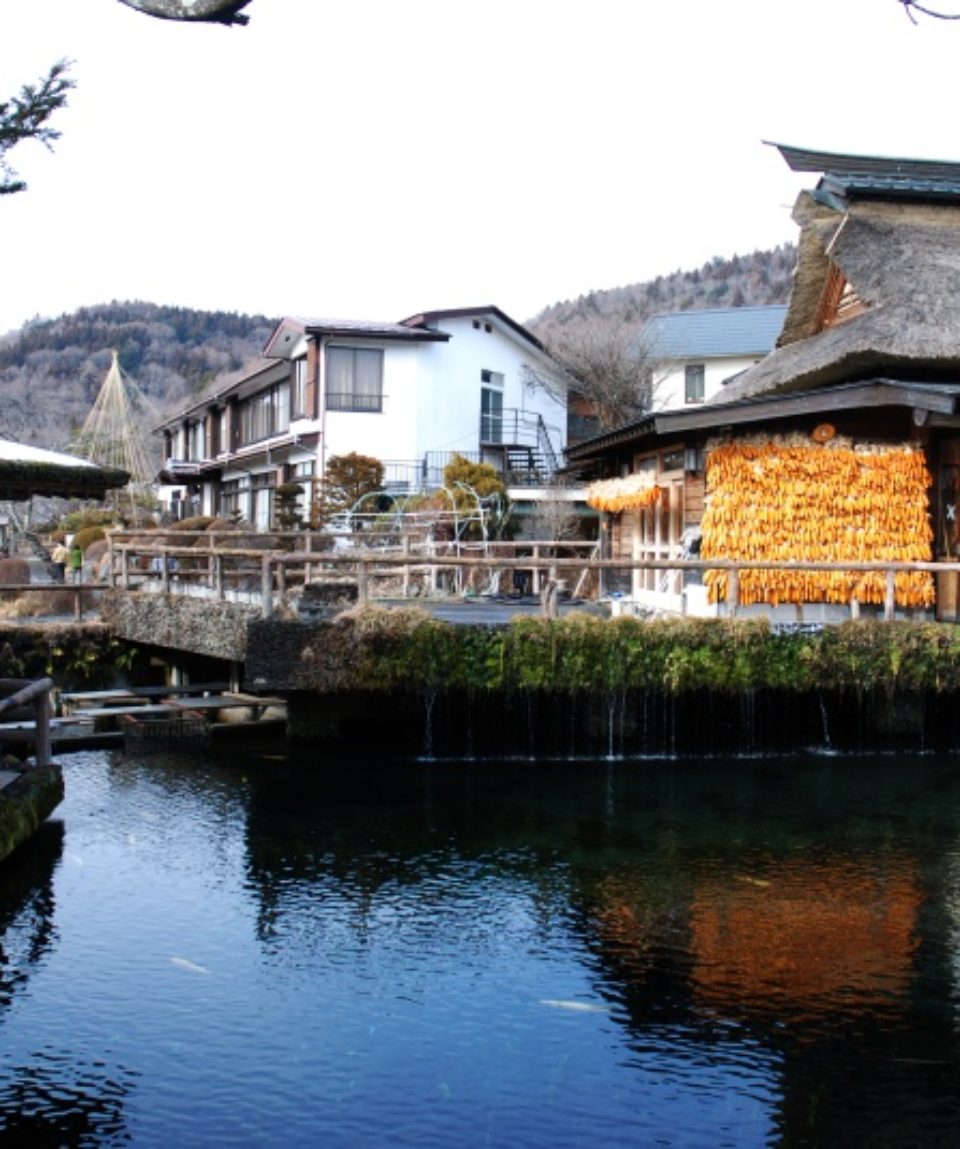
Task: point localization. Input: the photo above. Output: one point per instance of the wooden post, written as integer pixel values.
(78, 604)
(43, 748)
(406, 566)
(266, 587)
(111, 572)
(363, 588)
(890, 599)
(854, 608)
(124, 568)
(281, 578)
(308, 569)
(535, 580)
(218, 576)
(733, 591)
(164, 572)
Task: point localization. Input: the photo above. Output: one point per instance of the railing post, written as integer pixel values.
(733, 591)
(890, 598)
(111, 573)
(78, 604)
(363, 584)
(164, 572)
(308, 569)
(266, 587)
(405, 547)
(43, 748)
(218, 576)
(124, 568)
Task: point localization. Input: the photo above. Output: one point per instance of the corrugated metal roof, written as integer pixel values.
(720, 332)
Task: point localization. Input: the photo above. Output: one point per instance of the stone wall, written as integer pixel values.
(27, 802)
(199, 625)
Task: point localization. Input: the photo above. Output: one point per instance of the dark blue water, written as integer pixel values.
(261, 952)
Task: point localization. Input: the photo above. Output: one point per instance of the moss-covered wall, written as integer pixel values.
(26, 803)
(378, 650)
(74, 655)
(200, 625)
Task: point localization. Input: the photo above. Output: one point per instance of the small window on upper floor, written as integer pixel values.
(693, 387)
(354, 379)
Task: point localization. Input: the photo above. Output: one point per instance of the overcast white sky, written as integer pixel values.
(370, 159)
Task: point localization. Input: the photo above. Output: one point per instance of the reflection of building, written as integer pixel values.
(806, 937)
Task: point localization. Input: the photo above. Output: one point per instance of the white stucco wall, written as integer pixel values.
(671, 379)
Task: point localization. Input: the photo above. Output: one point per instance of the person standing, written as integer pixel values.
(58, 560)
(76, 564)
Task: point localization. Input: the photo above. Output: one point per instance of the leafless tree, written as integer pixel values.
(607, 367)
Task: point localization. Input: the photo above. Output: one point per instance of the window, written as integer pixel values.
(265, 414)
(354, 379)
(233, 497)
(195, 441)
(491, 407)
(693, 383)
(298, 408)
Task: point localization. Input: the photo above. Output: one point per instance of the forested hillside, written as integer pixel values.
(52, 369)
(741, 281)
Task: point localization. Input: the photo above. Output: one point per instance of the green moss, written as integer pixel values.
(390, 649)
(26, 803)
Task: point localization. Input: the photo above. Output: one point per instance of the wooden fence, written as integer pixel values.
(266, 575)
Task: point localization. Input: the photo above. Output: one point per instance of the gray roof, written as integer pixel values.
(887, 177)
(721, 332)
(370, 328)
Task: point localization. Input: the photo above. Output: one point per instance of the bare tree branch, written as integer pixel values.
(607, 367)
(27, 116)
(209, 11)
(911, 6)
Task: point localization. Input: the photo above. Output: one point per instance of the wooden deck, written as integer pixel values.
(126, 708)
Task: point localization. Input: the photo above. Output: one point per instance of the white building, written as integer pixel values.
(692, 353)
(410, 394)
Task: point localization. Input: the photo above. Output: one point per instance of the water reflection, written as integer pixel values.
(315, 952)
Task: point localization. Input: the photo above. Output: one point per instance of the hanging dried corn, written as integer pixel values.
(797, 502)
(627, 494)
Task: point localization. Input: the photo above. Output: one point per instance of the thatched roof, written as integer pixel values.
(901, 257)
(27, 471)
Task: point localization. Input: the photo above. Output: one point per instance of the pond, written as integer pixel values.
(245, 949)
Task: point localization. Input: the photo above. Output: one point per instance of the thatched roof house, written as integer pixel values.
(842, 445)
(876, 284)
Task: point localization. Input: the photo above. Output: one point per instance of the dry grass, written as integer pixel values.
(42, 604)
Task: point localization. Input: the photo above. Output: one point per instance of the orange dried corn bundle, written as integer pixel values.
(805, 503)
(627, 494)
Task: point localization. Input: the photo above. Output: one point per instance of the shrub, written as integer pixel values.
(87, 535)
(78, 520)
(197, 523)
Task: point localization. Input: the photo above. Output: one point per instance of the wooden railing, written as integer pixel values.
(36, 694)
(267, 575)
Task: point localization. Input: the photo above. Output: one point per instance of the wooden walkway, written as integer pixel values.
(107, 710)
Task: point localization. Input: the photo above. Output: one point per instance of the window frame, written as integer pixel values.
(352, 400)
